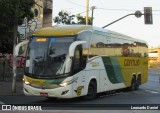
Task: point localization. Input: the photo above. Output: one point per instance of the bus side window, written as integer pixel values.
(79, 62)
(76, 63)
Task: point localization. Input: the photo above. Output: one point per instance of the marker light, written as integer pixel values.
(41, 39)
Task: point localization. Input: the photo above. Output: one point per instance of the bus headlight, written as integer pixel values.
(68, 82)
(63, 84)
(26, 82)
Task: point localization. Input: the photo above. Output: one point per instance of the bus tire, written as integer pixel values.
(92, 90)
(138, 82)
(133, 84)
(139, 79)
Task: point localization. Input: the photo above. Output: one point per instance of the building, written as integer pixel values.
(154, 56)
(42, 18)
(47, 13)
(43, 8)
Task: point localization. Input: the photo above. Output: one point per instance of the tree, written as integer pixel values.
(82, 20)
(7, 10)
(64, 18)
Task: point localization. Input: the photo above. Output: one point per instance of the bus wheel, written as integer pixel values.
(133, 84)
(92, 90)
(139, 79)
(138, 82)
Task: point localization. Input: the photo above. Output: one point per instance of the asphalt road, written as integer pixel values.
(153, 83)
(148, 93)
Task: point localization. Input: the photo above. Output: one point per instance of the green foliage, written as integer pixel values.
(7, 20)
(24, 10)
(66, 18)
(82, 20)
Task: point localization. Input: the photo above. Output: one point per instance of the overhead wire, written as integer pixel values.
(75, 3)
(104, 8)
(84, 11)
(122, 9)
(116, 9)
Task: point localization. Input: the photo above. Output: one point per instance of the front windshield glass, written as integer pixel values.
(48, 57)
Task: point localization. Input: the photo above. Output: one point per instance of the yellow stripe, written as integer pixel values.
(130, 65)
(64, 30)
(34, 81)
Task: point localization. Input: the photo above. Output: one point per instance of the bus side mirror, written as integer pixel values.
(73, 46)
(17, 48)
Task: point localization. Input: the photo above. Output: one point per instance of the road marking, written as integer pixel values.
(152, 91)
(1, 102)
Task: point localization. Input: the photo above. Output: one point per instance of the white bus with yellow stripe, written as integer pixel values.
(81, 60)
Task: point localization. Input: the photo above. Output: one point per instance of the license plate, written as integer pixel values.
(43, 94)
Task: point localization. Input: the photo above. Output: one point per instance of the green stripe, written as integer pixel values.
(54, 81)
(113, 69)
(117, 69)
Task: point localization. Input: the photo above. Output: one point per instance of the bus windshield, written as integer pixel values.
(47, 57)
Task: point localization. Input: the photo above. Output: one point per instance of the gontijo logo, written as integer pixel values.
(131, 62)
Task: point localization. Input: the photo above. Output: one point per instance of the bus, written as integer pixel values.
(68, 61)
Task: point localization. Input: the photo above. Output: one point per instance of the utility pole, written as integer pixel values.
(14, 44)
(92, 8)
(87, 7)
(52, 13)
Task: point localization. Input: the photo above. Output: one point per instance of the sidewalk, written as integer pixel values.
(6, 87)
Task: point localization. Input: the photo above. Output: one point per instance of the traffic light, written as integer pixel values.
(148, 15)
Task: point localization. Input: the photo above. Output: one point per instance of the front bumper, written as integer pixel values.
(59, 92)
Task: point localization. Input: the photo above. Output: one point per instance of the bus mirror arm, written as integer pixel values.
(16, 49)
(73, 46)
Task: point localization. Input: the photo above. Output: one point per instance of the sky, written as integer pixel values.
(108, 11)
